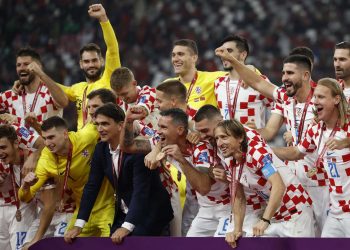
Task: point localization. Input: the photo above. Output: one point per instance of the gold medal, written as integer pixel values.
(311, 172)
(18, 215)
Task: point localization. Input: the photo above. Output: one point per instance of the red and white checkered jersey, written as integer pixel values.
(44, 108)
(250, 105)
(7, 193)
(284, 106)
(146, 97)
(346, 92)
(26, 138)
(259, 156)
(335, 162)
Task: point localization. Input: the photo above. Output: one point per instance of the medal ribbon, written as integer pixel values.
(24, 103)
(234, 182)
(83, 107)
(232, 108)
(13, 180)
(190, 88)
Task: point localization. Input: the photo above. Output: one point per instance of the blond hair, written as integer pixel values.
(335, 88)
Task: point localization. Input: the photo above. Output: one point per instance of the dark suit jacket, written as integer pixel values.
(140, 188)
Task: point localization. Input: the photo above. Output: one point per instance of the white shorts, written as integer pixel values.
(250, 219)
(207, 220)
(56, 228)
(320, 205)
(13, 232)
(336, 227)
(301, 225)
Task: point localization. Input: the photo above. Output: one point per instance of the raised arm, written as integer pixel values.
(59, 97)
(272, 127)
(248, 75)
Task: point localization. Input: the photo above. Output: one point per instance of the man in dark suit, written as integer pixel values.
(142, 204)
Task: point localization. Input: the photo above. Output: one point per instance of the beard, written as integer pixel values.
(93, 77)
(26, 82)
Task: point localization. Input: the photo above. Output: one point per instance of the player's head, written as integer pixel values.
(24, 57)
(91, 61)
(109, 120)
(99, 97)
(184, 56)
(237, 46)
(55, 134)
(330, 99)
(170, 94)
(231, 138)
(341, 60)
(296, 72)
(8, 144)
(123, 84)
(206, 120)
(304, 51)
(172, 126)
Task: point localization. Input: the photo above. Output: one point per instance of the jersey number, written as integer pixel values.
(333, 169)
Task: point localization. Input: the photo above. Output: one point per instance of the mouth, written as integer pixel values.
(23, 74)
(288, 85)
(3, 157)
(177, 66)
(319, 110)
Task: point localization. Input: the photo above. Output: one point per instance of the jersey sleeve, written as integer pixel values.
(147, 98)
(203, 157)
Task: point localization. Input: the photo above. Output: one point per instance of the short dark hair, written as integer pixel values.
(8, 132)
(187, 43)
(343, 45)
(28, 51)
(305, 51)
(121, 77)
(173, 88)
(54, 122)
(207, 111)
(299, 60)
(241, 42)
(111, 110)
(235, 128)
(178, 116)
(104, 94)
(90, 47)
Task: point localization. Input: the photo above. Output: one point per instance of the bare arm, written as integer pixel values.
(31, 161)
(59, 97)
(200, 181)
(248, 75)
(128, 142)
(288, 153)
(272, 127)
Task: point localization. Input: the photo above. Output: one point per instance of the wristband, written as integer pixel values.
(265, 220)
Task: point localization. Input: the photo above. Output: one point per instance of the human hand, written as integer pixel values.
(119, 234)
(232, 238)
(97, 11)
(260, 227)
(193, 137)
(29, 180)
(71, 234)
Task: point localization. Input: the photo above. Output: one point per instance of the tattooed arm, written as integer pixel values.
(131, 144)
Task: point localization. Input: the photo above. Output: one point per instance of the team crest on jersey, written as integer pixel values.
(203, 157)
(149, 131)
(142, 99)
(198, 90)
(85, 153)
(24, 132)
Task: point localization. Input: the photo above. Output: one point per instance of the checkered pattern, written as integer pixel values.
(284, 107)
(7, 195)
(251, 105)
(252, 178)
(12, 103)
(335, 162)
(146, 97)
(27, 138)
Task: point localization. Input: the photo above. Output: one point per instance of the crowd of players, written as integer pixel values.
(187, 158)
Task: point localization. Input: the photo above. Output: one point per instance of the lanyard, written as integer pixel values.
(193, 82)
(232, 108)
(84, 108)
(24, 103)
(115, 176)
(234, 181)
(313, 171)
(299, 130)
(14, 186)
(66, 174)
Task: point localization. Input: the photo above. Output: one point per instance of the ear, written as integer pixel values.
(195, 58)
(307, 75)
(102, 61)
(134, 82)
(173, 101)
(16, 144)
(65, 134)
(337, 99)
(243, 55)
(181, 130)
(81, 64)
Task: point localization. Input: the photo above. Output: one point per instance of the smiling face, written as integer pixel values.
(325, 103)
(169, 133)
(128, 93)
(183, 59)
(292, 78)
(93, 104)
(108, 129)
(55, 139)
(341, 61)
(24, 75)
(232, 49)
(228, 144)
(91, 63)
(206, 128)
(8, 150)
